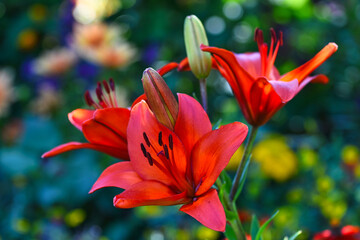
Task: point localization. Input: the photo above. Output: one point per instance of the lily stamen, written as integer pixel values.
(105, 99)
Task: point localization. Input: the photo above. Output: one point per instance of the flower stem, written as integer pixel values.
(203, 93)
(234, 222)
(239, 171)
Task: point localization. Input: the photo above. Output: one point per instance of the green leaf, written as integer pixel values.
(293, 237)
(217, 124)
(226, 180)
(229, 233)
(243, 178)
(262, 228)
(254, 228)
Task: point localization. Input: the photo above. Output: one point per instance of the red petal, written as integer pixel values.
(252, 63)
(139, 99)
(192, 122)
(119, 175)
(212, 153)
(314, 79)
(169, 172)
(207, 209)
(243, 78)
(79, 116)
(167, 68)
(116, 119)
(264, 101)
(184, 65)
(239, 80)
(115, 152)
(285, 90)
(98, 133)
(304, 70)
(149, 193)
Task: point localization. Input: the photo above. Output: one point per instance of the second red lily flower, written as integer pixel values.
(257, 85)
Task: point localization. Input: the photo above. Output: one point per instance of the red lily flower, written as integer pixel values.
(256, 83)
(346, 233)
(105, 127)
(175, 167)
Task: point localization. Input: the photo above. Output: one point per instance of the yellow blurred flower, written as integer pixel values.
(204, 233)
(75, 217)
(54, 62)
(276, 159)
(308, 158)
(235, 159)
(148, 211)
(22, 226)
(103, 44)
(357, 171)
(27, 39)
(7, 94)
(350, 154)
(324, 184)
(333, 209)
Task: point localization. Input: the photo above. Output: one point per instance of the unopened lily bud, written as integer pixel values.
(194, 34)
(160, 98)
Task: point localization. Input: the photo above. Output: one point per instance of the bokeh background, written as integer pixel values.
(306, 159)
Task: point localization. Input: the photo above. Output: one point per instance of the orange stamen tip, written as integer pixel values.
(334, 45)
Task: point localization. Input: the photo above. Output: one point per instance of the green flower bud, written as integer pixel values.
(194, 34)
(160, 98)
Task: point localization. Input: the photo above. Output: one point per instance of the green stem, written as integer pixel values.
(203, 93)
(235, 223)
(247, 152)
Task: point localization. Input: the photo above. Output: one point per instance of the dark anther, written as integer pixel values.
(166, 151)
(88, 99)
(149, 158)
(99, 92)
(106, 86)
(160, 139)
(281, 38)
(146, 139)
(112, 84)
(143, 149)
(273, 34)
(171, 144)
(259, 38)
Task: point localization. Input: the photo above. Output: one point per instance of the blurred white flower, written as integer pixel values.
(54, 62)
(47, 101)
(6, 90)
(103, 44)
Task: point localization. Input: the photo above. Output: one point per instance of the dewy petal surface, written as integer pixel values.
(120, 175)
(192, 122)
(142, 120)
(121, 153)
(79, 116)
(208, 210)
(149, 193)
(213, 152)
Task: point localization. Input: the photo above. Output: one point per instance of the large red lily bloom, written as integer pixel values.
(256, 83)
(346, 233)
(175, 167)
(105, 127)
